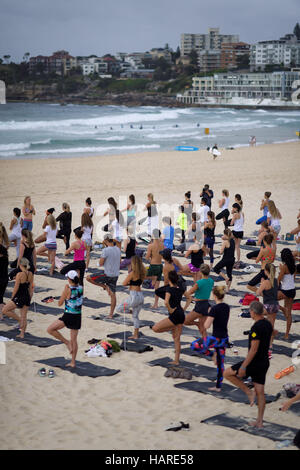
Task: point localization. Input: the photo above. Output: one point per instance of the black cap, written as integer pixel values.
(51, 210)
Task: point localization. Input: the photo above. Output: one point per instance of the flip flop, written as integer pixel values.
(42, 372)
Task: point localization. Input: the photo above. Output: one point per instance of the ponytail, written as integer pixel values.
(219, 292)
(270, 268)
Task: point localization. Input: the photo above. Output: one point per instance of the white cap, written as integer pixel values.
(72, 274)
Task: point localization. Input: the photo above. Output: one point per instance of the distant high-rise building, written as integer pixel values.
(210, 41)
(284, 51)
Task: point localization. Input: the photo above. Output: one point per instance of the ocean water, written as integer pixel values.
(51, 130)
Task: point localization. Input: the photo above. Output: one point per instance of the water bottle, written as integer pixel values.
(282, 444)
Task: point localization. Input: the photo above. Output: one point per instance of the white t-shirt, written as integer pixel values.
(16, 230)
(274, 222)
(87, 233)
(51, 234)
(203, 214)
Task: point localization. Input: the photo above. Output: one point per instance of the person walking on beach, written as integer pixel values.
(65, 225)
(72, 297)
(28, 211)
(21, 297)
(202, 290)
(136, 300)
(175, 320)
(154, 256)
(256, 364)
(78, 247)
(215, 344)
(227, 250)
(110, 260)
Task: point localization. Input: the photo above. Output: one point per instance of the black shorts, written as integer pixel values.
(238, 234)
(257, 279)
(290, 294)
(177, 317)
(102, 279)
(257, 374)
(71, 320)
(21, 301)
(202, 307)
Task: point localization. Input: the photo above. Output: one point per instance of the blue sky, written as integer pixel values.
(109, 26)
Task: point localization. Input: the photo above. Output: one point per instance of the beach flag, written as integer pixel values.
(298, 133)
(206, 131)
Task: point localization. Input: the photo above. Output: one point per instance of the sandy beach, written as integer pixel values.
(131, 409)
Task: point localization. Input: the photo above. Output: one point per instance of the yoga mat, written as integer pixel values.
(46, 309)
(198, 370)
(230, 393)
(135, 346)
(94, 303)
(120, 320)
(153, 341)
(55, 275)
(272, 431)
(228, 359)
(295, 408)
(30, 339)
(83, 369)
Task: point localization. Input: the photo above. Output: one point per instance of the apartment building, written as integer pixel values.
(231, 54)
(284, 51)
(210, 41)
(60, 62)
(276, 85)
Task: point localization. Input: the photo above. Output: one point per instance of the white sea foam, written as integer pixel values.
(82, 150)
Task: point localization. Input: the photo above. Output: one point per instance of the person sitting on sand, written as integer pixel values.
(175, 320)
(218, 317)
(264, 208)
(21, 296)
(256, 364)
(136, 301)
(72, 296)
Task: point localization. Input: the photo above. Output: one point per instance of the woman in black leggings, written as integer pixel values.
(227, 249)
(224, 204)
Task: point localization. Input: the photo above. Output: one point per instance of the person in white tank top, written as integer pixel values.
(87, 229)
(16, 228)
(223, 205)
(238, 230)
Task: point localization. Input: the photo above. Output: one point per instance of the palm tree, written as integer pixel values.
(26, 56)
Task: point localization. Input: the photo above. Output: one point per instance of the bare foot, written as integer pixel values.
(133, 337)
(21, 335)
(154, 307)
(214, 389)
(256, 424)
(286, 336)
(71, 364)
(174, 363)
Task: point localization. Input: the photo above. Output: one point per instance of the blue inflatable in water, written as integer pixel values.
(186, 148)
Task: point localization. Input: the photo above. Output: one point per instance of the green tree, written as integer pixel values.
(6, 58)
(297, 31)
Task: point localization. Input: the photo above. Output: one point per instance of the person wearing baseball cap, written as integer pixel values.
(72, 296)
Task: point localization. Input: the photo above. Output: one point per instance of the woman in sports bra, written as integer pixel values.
(170, 264)
(136, 298)
(176, 317)
(286, 281)
(78, 247)
(28, 211)
(21, 296)
(266, 256)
